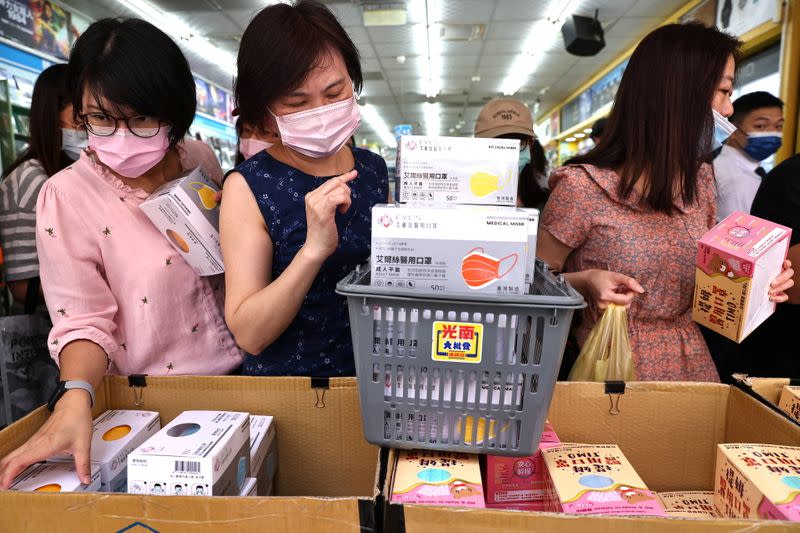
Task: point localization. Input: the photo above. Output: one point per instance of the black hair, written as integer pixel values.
(239, 159)
(667, 133)
(131, 63)
(747, 103)
(598, 127)
(280, 47)
(51, 95)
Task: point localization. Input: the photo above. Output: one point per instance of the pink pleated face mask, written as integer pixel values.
(128, 155)
(322, 131)
(251, 146)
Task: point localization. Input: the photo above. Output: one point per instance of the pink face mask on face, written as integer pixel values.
(322, 131)
(128, 155)
(251, 146)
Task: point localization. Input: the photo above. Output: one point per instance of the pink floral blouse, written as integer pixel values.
(110, 277)
(606, 232)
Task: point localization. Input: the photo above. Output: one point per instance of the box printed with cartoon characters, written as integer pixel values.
(437, 478)
(758, 481)
(692, 504)
(736, 262)
(596, 479)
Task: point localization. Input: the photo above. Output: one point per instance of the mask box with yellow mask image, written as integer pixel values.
(736, 262)
(55, 477)
(186, 212)
(115, 434)
(460, 170)
(450, 249)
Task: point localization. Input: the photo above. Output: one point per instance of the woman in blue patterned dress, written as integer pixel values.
(296, 217)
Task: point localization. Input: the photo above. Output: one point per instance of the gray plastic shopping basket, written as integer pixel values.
(466, 373)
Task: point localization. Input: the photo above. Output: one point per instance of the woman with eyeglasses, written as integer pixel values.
(122, 300)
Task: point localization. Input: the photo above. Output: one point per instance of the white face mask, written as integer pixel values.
(322, 131)
(73, 142)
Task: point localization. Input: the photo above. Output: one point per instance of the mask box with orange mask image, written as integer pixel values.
(693, 504)
(437, 478)
(758, 481)
(115, 434)
(457, 170)
(186, 212)
(450, 249)
(789, 402)
(596, 479)
(736, 262)
(55, 477)
(519, 479)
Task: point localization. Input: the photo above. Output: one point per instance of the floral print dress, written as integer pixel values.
(607, 232)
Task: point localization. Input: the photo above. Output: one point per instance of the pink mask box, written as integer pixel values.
(758, 481)
(186, 212)
(520, 479)
(449, 479)
(596, 479)
(736, 262)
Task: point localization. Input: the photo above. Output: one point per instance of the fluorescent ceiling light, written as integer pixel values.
(427, 36)
(378, 125)
(541, 35)
(183, 33)
(570, 139)
(587, 130)
(432, 119)
(580, 135)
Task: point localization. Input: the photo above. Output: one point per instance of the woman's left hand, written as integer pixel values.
(781, 284)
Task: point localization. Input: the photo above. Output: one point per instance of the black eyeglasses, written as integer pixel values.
(105, 125)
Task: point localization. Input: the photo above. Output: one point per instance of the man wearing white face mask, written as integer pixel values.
(55, 142)
(296, 216)
(738, 168)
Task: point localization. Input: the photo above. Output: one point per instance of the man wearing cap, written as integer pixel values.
(506, 118)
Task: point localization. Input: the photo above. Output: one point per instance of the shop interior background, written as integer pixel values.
(429, 65)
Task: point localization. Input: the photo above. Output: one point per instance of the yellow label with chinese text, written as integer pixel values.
(459, 342)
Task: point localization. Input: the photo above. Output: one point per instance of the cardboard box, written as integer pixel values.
(669, 433)
(249, 487)
(425, 477)
(767, 390)
(450, 249)
(790, 402)
(337, 489)
(519, 479)
(115, 434)
(736, 262)
(596, 479)
(461, 170)
(758, 481)
(186, 212)
(692, 504)
(199, 453)
(55, 477)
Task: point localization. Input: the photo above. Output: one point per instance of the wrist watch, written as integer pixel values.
(64, 386)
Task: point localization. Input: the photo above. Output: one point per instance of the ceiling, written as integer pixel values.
(472, 71)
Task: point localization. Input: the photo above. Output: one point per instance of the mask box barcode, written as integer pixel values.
(187, 466)
(203, 453)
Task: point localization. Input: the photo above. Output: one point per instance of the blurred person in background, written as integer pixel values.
(597, 130)
(55, 141)
(758, 118)
(252, 140)
(622, 221)
(507, 118)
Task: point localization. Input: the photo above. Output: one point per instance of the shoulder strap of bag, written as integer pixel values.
(32, 295)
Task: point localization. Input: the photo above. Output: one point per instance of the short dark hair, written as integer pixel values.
(598, 127)
(131, 63)
(661, 122)
(280, 47)
(50, 97)
(747, 103)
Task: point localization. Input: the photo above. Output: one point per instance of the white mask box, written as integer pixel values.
(55, 477)
(115, 434)
(249, 487)
(186, 212)
(450, 249)
(199, 453)
(460, 170)
(262, 433)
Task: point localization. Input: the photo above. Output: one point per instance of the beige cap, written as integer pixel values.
(502, 116)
